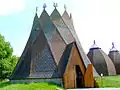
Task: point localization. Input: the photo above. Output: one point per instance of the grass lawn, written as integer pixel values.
(109, 81)
(32, 86)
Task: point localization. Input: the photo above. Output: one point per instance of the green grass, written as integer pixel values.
(109, 81)
(32, 86)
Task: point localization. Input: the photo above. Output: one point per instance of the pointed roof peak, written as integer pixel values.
(44, 17)
(66, 15)
(113, 47)
(55, 14)
(94, 46)
(44, 12)
(35, 18)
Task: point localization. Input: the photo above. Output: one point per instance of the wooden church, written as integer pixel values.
(53, 53)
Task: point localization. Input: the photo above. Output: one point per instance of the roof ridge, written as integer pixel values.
(61, 26)
(52, 34)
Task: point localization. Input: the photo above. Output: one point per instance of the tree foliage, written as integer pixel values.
(7, 60)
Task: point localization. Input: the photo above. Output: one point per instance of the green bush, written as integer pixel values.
(7, 60)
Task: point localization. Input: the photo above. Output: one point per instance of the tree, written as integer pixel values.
(13, 61)
(7, 61)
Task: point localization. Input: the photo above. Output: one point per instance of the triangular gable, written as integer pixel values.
(43, 18)
(65, 15)
(62, 27)
(56, 43)
(43, 64)
(75, 59)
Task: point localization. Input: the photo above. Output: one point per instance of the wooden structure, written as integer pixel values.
(100, 60)
(53, 53)
(114, 55)
(76, 76)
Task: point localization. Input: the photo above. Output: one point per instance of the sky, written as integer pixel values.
(93, 20)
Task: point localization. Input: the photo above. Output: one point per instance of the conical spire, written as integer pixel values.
(65, 14)
(35, 18)
(94, 46)
(34, 31)
(68, 19)
(113, 47)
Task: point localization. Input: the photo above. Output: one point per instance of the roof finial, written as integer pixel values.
(94, 42)
(36, 9)
(113, 46)
(94, 46)
(55, 5)
(65, 7)
(44, 6)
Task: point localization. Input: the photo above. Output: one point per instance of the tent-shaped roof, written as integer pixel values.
(42, 60)
(68, 21)
(115, 57)
(54, 38)
(36, 28)
(61, 26)
(48, 48)
(101, 62)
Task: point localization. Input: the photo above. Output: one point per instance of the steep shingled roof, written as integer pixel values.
(48, 48)
(114, 54)
(42, 61)
(68, 20)
(101, 62)
(36, 28)
(53, 36)
(61, 26)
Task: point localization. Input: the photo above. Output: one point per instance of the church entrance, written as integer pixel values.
(78, 77)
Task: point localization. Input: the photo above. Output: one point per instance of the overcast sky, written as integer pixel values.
(93, 20)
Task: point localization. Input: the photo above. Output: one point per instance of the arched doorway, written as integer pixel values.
(78, 76)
